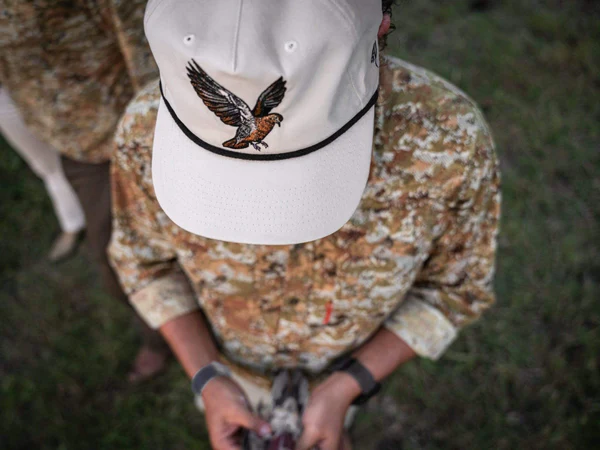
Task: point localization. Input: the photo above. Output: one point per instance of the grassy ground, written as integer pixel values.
(527, 376)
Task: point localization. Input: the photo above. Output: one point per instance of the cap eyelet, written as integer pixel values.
(290, 46)
(189, 39)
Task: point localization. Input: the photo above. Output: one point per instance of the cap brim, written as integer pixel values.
(286, 201)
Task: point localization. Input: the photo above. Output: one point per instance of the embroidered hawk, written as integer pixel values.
(252, 125)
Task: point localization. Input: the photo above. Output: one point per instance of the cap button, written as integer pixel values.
(291, 46)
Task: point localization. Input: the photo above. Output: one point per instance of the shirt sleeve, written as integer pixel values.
(127, 21)
(140, 250)
(454, 285)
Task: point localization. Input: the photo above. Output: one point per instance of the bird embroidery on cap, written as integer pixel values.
(254, 125)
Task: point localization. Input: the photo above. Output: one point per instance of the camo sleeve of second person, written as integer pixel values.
(144, 260)
(127, 19)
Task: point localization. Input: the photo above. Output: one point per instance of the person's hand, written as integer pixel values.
(227, 412)
(323, 418)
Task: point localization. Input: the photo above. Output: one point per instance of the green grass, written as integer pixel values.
(526, 376)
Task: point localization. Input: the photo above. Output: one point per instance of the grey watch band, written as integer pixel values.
(361, 374)
(207, 373)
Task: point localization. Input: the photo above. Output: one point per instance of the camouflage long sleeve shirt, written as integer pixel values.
(417, 256)
(72, 66)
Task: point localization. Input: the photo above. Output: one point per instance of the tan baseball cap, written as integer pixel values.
(265, 126)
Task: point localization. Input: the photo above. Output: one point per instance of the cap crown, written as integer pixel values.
(313, 61)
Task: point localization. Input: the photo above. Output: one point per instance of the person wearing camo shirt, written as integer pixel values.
(70, 68)
(412, 267)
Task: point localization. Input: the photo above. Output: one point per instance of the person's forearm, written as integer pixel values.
(383, 353)
(190, 339)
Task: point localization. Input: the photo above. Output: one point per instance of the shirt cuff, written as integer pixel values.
(164, 299)
(424, 328)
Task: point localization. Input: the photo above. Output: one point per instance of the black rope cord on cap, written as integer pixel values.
(269, 157)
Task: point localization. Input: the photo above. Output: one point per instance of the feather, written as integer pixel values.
(270, 98)
(228, 107)
(289, 395)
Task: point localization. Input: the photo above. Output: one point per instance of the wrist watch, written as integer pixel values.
(361, 374)
(207, 373)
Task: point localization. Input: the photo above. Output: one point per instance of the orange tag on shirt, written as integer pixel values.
(328, 311)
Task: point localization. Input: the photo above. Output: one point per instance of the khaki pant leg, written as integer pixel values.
(44, 161)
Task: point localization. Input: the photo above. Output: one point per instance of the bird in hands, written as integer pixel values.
(253, 125)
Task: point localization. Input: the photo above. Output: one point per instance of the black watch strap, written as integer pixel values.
(368, 385)
(207, 373)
